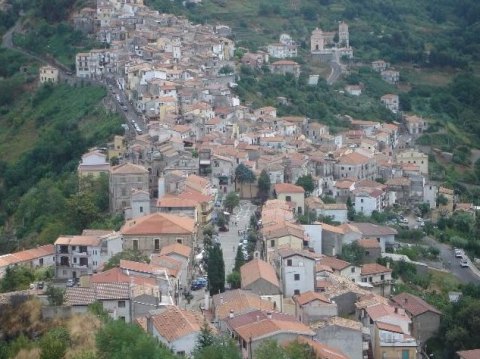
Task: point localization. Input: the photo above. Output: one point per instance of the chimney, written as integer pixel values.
(269, 315)
(149, 323)
(231, 313)
(396, 310)
(405, 300)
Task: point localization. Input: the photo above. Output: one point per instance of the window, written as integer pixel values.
(156, 244)
(353, 270)
(288, 198)
(135, 244)
(181, 353)
(121, 304)
(41, 261)
(364, 280)
(382, 277)
(272, 243)
(296, 276)
(141, 209)
(367, 253)
(361, 200)
(179, 240)
(370, 279)
(122, 318)
(289, 262)
(296, 292)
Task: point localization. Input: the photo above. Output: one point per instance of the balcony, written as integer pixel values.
(80, 254)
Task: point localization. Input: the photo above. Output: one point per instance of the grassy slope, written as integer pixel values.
(21, 126)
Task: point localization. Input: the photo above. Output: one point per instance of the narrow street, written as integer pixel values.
(229, 240)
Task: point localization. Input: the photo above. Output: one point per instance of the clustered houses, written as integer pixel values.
(170, 179)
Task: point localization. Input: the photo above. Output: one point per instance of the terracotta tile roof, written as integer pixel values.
(372, 230)
(176, 248)
(197, 180)
(240, 301)
(289, 252)
(344, 184)
(398, 181)
(128, 168)
(374, 268)
(333, 229)
(79, 296)
(340, 322)
(112, 291)
(117, 275)
(258, 269)
(310, 296)
(379, 311)
(176, 202)
(368, 243)
(288, 188)
(469, 354)
(389, 327)
(413, 304)
(353, 158)
(173, 323)
(172, 266)
(27, 255)
(323, 351)
(269, 327)
(334, 263)
(93, 241)
(282, 229)
(141, 267)
(158, 224)
(246, 318)
(195, 196)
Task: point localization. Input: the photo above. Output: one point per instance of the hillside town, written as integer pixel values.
(198, 169)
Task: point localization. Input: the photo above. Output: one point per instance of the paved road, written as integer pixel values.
(452, 264)
(336, 69)
(229, 240)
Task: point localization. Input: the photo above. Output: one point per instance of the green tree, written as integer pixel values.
(129, 254)
(205, 338)
(221, 348)
(231, 201)
(307, 183)
(350, 210)
(264, 186)
(16, 278)
(216, 270)
(55, 295)
(270, 349)
(234, 280)
(353, 253)
(239, 259)
(120, 340)
(54, 343)
(243, 175)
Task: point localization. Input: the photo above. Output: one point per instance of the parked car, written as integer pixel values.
(458, 253)
(70, 282)
(40, 285)
(464, 263)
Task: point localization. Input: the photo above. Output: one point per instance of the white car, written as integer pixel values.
(458, 253)
(464, 263)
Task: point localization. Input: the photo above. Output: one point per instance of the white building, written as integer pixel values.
(297, 271)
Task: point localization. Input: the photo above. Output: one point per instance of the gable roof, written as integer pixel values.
(413, 304)
(158, 224)
(27, 255)
(368, 243)
(334, 263)
(323, 351)
(310, 296)
(240, 301)
(176, 248)
(128, 168)
(389, 327)
(99, 291)
(173, 323)
(269, 327)
(374, 268)
(78, 241)
(258, 269)
(288, 188)
(370, 229)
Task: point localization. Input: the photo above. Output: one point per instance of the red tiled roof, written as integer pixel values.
(159, 223)
(258, 269)
(288, 188)
(176, 248)
(310, 296)
(413, 304)
(374, 268)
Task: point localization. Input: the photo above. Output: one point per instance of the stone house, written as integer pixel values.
(43, 256)
(311, 307)
(293, 194)
(415, 125)
(93, 164)
(425, 318)
(392, 342)
(372, 250)
(123, 179)
(48, 74)
(380, 277)
(355, 165)
(412, 156)
(390, 76)
(149, 234)
(259, 277)
(284, 67)
(391, 102)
